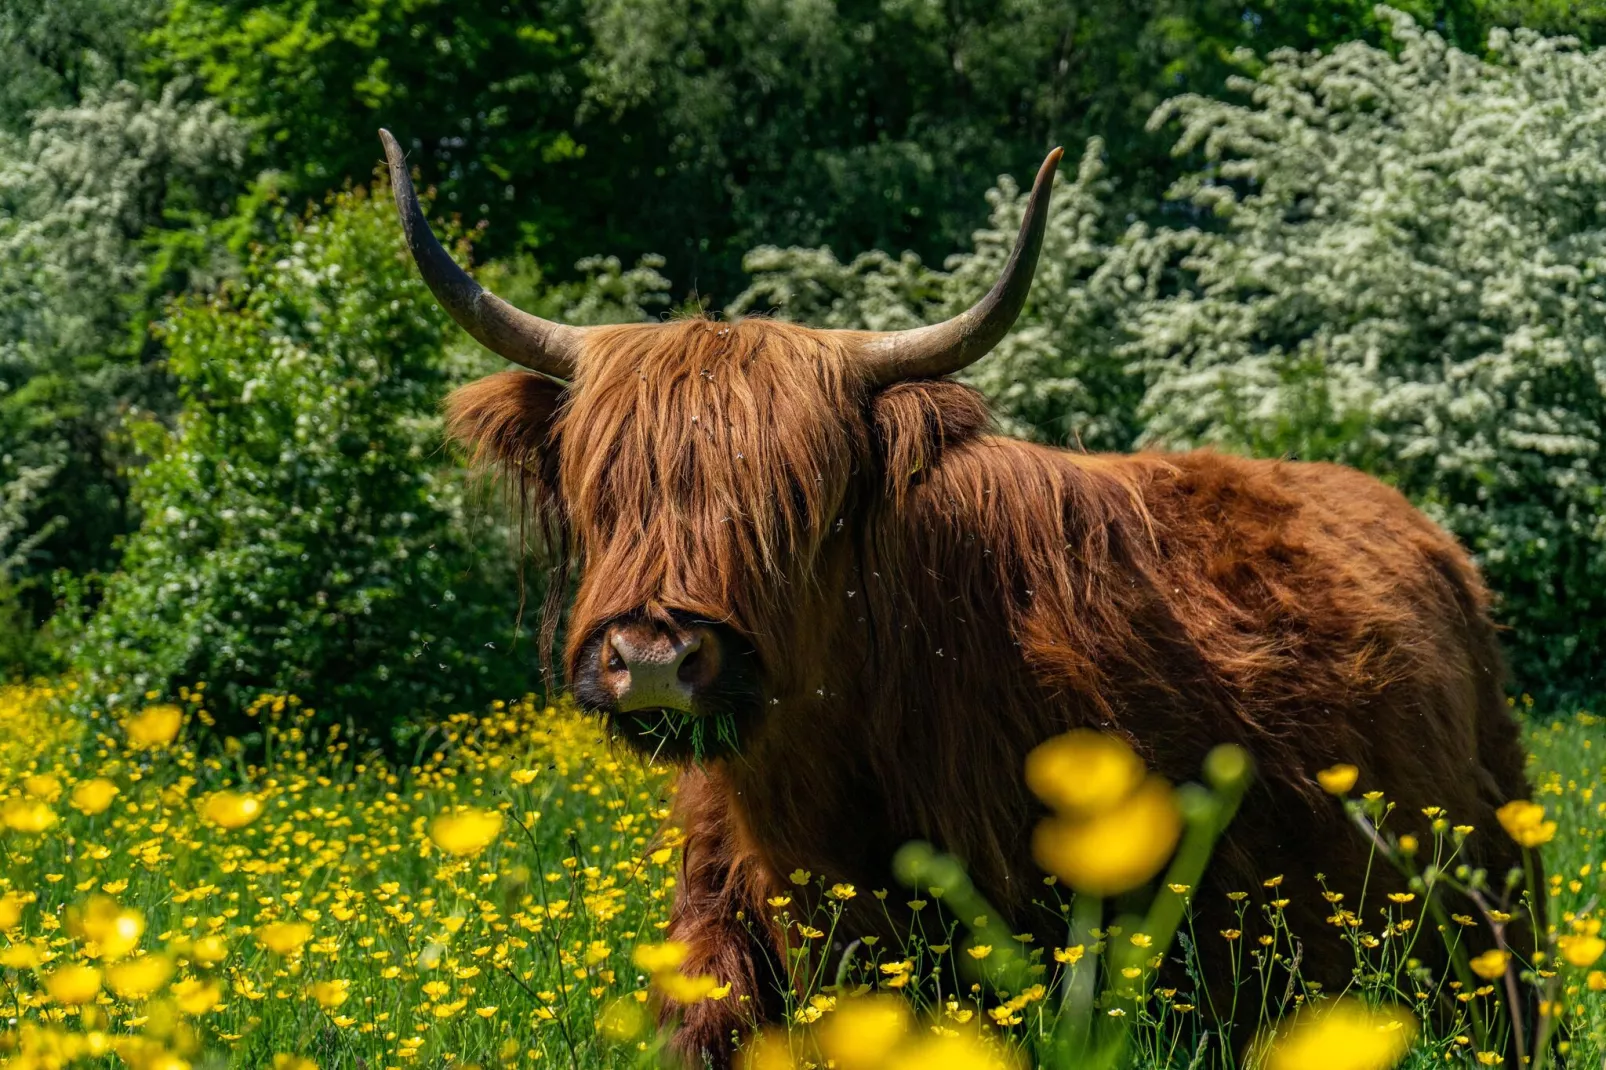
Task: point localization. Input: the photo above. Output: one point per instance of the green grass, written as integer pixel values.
(520, 954)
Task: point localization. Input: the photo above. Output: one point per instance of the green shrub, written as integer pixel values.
(303, 528)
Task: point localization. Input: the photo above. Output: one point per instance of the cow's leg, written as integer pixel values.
(719, 913)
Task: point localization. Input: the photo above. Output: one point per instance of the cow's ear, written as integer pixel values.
(505, 422)
(915, 421)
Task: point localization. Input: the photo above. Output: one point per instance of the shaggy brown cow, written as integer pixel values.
(805, 562)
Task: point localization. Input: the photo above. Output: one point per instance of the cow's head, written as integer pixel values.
(701, 473)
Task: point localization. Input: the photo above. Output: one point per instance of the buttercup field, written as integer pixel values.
(777, 536)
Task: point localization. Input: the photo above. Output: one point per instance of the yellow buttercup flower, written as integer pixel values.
(330, 994)
(45, 787)
(21, 814)
(660, 958)
(154, 726)
(208, 951)
(11, 906)
(111, 930)
(293, 1062)
(1115, 850)
(139, 977)
(862, 1033)
(284, 937)
(467, 831)
(196, 997)
(1581, 949)
(1491, 965)
(952, 1051)
(1525, 822)
(73, 985)
(682, 989)
(93, 796)
(230, 809)
(1083, 772)
(1347, 1035)
(1338, 779)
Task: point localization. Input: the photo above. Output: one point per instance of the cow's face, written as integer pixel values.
(710, 479)
(703, 474)
(704, 468)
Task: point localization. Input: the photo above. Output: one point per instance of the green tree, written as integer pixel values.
(302, 528)
(699, 129)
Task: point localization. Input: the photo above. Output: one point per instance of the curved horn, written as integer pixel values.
(540, 345)
(943, 348)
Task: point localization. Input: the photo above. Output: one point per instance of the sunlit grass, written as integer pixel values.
(166, 897)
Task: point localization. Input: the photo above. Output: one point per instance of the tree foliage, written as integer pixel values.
(699, 129)
(302, 529)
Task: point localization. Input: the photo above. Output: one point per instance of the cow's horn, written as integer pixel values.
(540, 345)
(943, 348)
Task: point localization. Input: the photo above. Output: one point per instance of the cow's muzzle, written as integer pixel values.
(647, 665)
(679, 687)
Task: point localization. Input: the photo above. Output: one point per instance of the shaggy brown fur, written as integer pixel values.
(929, 602)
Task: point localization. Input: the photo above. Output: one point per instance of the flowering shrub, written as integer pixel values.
(1396, 264)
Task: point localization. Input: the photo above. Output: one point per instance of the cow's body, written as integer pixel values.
(807, 540)
(1304, 611)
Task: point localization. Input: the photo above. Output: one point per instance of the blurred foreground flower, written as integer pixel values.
(231, 809)
(20, 814)
(154, 726)
(1083, 773)
(864, 1032)
(42, 786)
(111, 930)
(284, 937)
(1115, 826)
(1581, 949)
(663, 962)
(330, 994)
(1347, 1035)
(467, 831)
(1525, 822)
(73, 985)
(139, 977)
(196, 997)
(11, 905)
(93, 796)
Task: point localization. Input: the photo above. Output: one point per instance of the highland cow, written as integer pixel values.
(811, 574)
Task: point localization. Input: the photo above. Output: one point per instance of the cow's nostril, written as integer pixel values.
(700, 664)
(646, 664)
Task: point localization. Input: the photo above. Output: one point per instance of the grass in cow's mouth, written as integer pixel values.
(701, 734)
